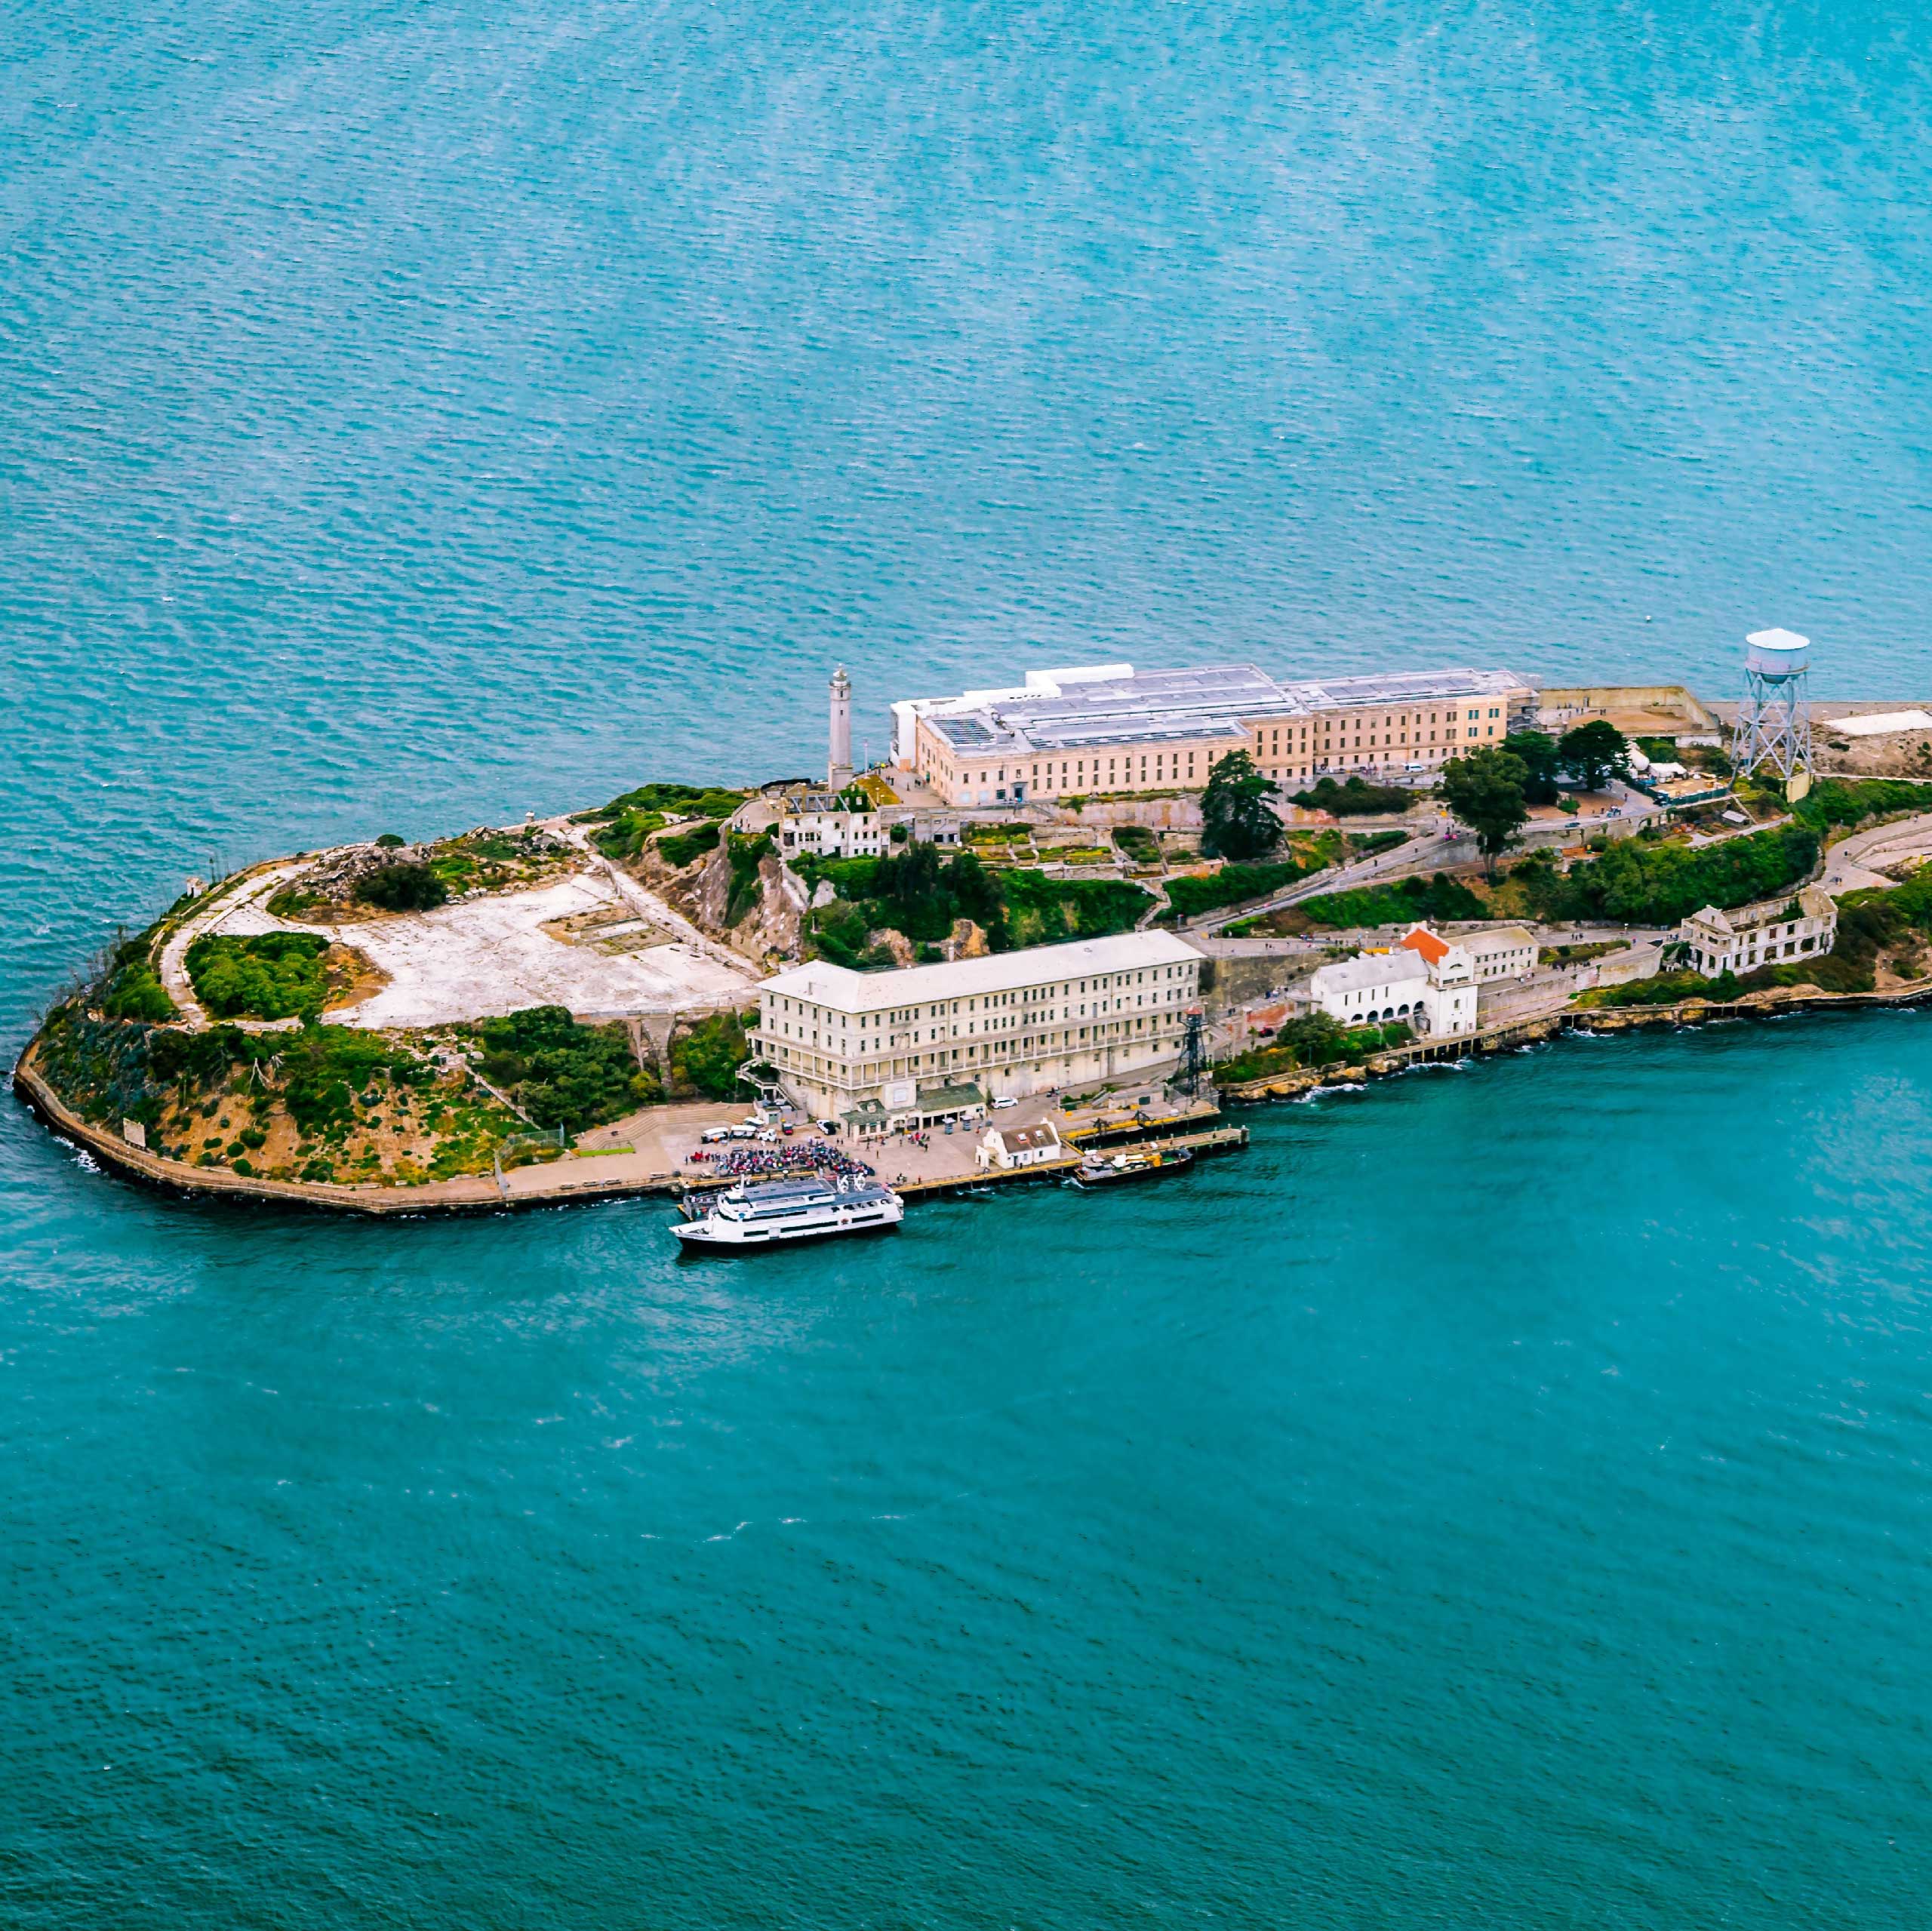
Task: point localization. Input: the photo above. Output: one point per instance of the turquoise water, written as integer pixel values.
(1499, 1499)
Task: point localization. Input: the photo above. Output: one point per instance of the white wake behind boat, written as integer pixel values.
(762, 1213)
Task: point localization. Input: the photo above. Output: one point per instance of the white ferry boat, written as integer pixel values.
(760, 1213)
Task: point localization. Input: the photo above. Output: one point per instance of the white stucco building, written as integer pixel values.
(1503, 952)
(935, 1042)
(1425, 982)
(1741, 941)
(1005, 1148)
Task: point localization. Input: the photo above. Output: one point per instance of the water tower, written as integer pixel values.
(1774, 720)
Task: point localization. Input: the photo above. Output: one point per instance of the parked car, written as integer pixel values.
(712, 1135)
(1000, 1106)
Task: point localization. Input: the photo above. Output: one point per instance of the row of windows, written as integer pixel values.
(1122, 1035)
(943, 1008)
(871, 1039)
(1157, 767)
(1392, 728)
(1714, 962)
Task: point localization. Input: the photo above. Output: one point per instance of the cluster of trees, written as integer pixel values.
(1314, 1039)
(915, 890)
(679, 848)
(402, 886)
(706, 1058)
(1401, 902)
(1234, 884)
(273, 975)
(1355, 798)
(130, 988)
(627, 823)
(562, 1074)
(918, 891)
(1491, 788)
(1640, 882)
(1838, 803)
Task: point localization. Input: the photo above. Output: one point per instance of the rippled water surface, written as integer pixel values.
(1499, 1499)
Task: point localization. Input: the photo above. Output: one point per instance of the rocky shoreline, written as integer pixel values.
(470, 1194)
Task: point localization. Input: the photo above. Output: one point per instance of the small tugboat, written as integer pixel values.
(764, 1213)
(1100, 1169)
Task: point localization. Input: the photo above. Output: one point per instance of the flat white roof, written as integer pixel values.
(1071, 710)
(1368, 968)
(823, 984)
(1878, 724)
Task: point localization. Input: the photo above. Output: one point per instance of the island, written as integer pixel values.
(1088, 912)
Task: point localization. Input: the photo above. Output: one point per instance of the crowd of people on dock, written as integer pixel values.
(772, 1163)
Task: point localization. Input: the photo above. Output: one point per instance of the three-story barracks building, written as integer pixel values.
(1110, 728)
(882, 1049)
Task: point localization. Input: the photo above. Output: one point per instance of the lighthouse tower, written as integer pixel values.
(839, 773)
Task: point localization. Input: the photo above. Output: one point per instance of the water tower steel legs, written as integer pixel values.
(1773, 726)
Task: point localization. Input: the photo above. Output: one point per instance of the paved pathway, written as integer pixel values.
(642, 900)
(1851, 863)
(237, 908)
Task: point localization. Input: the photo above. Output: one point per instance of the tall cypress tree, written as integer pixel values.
(1235, 821)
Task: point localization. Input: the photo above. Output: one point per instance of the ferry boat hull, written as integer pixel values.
(781, 1212)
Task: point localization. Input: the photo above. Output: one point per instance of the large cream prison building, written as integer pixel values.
(1111, 728)
(880, 1049)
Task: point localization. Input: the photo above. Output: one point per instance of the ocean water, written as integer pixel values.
(1499, 1499)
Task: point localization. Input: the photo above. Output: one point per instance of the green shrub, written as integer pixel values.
(132, 989)
(1312, 1039)
(275, 975)
(1637, 883)
(324, 1067)
(1839, 803)
(679, 848)
(1036, 910)
(1667, 988)
(840, 932)
(706, 1059)
(670, 800)
(1402, 902)
(401, 887)
(1357, 798)
(1233, 884)
(562, 1074)
(747, 854)
(392, 841)
(1367, 844)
